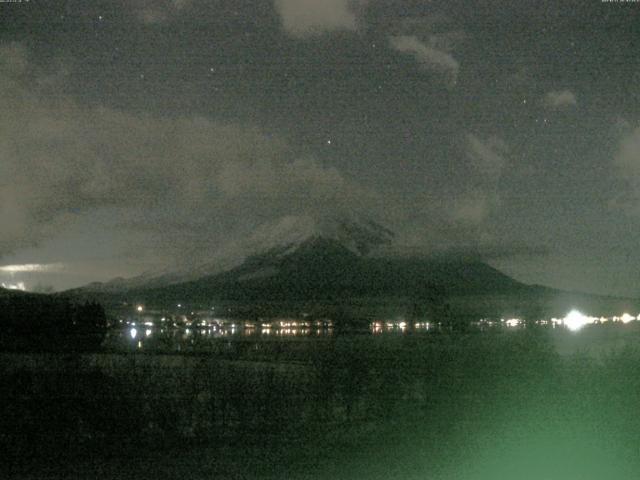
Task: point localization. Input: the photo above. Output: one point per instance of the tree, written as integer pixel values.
(48, 322)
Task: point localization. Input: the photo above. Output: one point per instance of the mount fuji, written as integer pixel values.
(310, 262)
(276, 240)
(309, 259)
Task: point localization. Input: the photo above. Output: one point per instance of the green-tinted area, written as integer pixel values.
(482, 406)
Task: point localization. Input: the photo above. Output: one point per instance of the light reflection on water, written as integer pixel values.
(205, 335)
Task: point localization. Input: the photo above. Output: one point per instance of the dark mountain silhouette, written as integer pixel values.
(358, 235)
(341, 262)
(323, 270)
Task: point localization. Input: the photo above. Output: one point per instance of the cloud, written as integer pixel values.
(487, 157)
(628, 155)
(13, 60)
(32, 267)
(429, 56)
(560, 99)
(627, 166)
(486, 162)
(301, 18)
(503, 251)
(181, 189)
(152, 12)
(473, 207)
(181, 180)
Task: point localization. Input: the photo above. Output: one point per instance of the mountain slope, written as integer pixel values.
(322, 269)
(360, 236)
(302, 261)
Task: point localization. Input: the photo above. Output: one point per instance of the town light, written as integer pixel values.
(626, 318)
(575, 320)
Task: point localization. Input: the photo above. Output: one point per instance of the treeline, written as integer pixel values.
(42, 322)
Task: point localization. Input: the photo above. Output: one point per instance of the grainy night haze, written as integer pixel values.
(320, 239)
(140, 135)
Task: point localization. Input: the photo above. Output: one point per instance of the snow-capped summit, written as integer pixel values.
(278, 239)
(286, 235)
(355, 234)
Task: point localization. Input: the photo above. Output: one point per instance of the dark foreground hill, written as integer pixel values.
(31, 321)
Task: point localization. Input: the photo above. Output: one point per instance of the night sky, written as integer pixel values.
(140, 134)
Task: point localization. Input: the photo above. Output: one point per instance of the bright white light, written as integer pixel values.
(147, 332)
(31, 267)
(133, 332)
(575, 320)
(14, 286)
(626, 318)
(139, 308)
(513, 322)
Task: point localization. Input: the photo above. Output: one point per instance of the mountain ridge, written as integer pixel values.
(359, 235)
(322, 270)
(292, 268)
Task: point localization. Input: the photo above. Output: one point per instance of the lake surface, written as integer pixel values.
(167, 336)
(263, 338)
